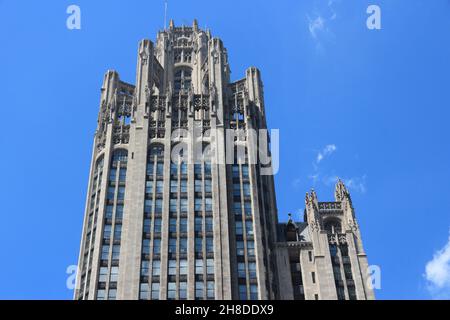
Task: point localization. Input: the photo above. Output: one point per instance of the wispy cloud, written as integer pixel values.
(316, 25)
(357, 184)
(319, 22)
(328, 150)
(437, 273)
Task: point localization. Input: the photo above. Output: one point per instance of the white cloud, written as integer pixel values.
(437, 273)
(357, 184)
(328, 150)
(316, 25)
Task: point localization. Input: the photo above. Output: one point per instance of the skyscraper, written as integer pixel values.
(181, 201)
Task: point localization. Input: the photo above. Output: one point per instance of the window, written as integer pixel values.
(210, 289)
(198, 185)
(235, 171)
(249, 228)
(149, 187)
(159, 169)
(246, 188)
(197, 169)
(208, 186)
(105, 252)
(146, 246)
(143, 291)
(250, 248)
(159, 186)
(173, 186)
(119, 212)
(122, 174)
(199, 290)
(207, 166)
(158, 206)
(310, 256)
(117, 231)
(198, 204)
(115, 252)
(198, 224)
(172, 224)
(208, 224)
(156, 267)
(107, 231)
(103, 274)
(333, 250)
(121, 194)
(156, 246)
(252, 270)
(183, 205)
(253, 292)
(182, 79)
(239, 228)
(198, 245)
(147, 225)
(313, 277)
(182, 290)
(171, 290)
(155, 291)
(150, 169)
(236, 189)
(112, 174)
(248, 208)
(144, 268)
(183, 186)
(148, 204)
(240, 248)
(120, 155)
(183, 168)
(242, 292)
(111, 191)
(172, 245)
(173, 168)
(209, 245)
(209, 266)
(112, 294)
(172, 267)
(101, 294)
(198, 266)
(241, 270)
(114, 274)
(208, 204)
(237, 208)
(183, 267)
(157, 225)
(244, 171)
(183, 225)
(109, 211)
(183, 245)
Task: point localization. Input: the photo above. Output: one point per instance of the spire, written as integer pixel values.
(195, 25)
(340, 191)
(171, 24)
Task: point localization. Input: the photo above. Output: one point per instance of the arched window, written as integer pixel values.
(120, 155)
(156, 150)
(182, 79)
(332, 226)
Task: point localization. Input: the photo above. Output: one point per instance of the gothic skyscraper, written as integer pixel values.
(181, 203)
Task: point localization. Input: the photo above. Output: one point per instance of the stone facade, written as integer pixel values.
(164, 221)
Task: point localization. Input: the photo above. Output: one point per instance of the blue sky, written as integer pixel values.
(373, 103)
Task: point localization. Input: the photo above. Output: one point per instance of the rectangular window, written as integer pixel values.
(105, 252)
(237, 208)
(146, 246)
(103, 274)
(183, 186)
(208, 185)
(122, 174)
(310, 256)
(210, 289)
(246, 188)
(159, 168)
(209, 266)
(117, 231)
(250, 248)
(208, 204)
(119, 212)
(207, 166)
(111, 191)
(171, 290)
(198, 266)
(209, 224)
(107, 231)
(157, 225)
(143, 291)
(115, 252)
(147, 225)
(198, 224)
(112, 294)
(172, 245)
(199, 290)
(198, 245)
(112, 174)
(209, 245)
(149, 187)
(158, 206)
(240, 248)
(183, 245)
(244, 171)
(249, 228)
(173, 168)
(182, 290)
(242, 292)
(150, 167)
(144, 268)
(109, 211)
(197, 168)
(114, 274)
(253, 292)
(155, 291)
(101, 294)
(159, 186)
(235, 171)
(172, 267)
(173, 186)
(183, 267)
(156, 246)
(248, 208)
(241, 270)
(121, 194)
(172, 224)
(239, 228)
(183, 168)
(236, 189)
(198, 204)
(252, 270)
(156, 267)
(183, 225)
(313, 277)
(148, 205)
(183, 205)
(198, 185)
